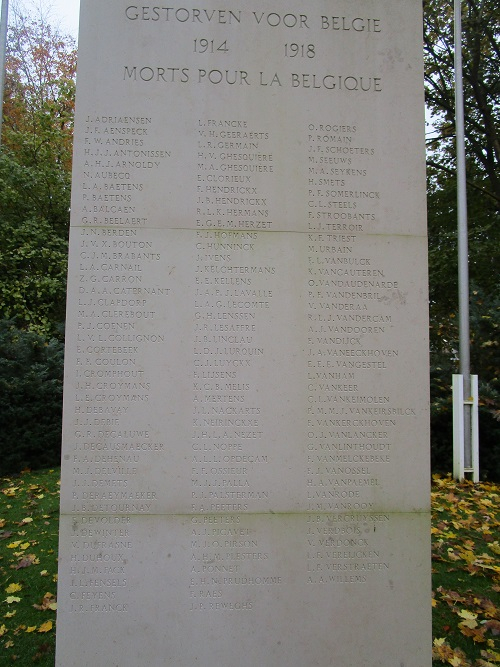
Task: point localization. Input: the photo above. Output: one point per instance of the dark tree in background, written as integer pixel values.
(481, 61)
(35, 178)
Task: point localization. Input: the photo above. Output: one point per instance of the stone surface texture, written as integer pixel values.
(245, 439)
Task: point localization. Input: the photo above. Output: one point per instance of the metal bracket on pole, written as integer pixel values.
(460, 404)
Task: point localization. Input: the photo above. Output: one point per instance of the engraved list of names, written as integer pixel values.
(245, 435)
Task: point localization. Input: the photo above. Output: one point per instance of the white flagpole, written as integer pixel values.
(463, 252)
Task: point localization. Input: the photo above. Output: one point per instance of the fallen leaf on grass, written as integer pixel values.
(494, 626)
(29, 559)
(491, 655)
(12, 599)
(14, 545)
(475, 633)
(468, 556)
(31, 628)
(10, 491)
(468, 615)
(45, 627)
(43, 649)
(443, 651)
(48, 602)
(494, 546)
(13, 588)
(3, 630)
(489, 608)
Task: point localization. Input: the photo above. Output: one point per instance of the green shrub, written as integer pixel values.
(31, 373)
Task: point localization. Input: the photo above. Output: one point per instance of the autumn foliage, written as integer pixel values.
(35, 174)
(466, 573)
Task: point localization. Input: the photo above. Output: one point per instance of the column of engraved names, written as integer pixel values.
(342, 549)
(339, 165)
(345, 446)
(233, 293)
(118, 309)
(346, 323)
(118, 160)
(116, 326)
(234, 163)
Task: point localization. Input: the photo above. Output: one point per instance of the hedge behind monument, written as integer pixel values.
(31, 372)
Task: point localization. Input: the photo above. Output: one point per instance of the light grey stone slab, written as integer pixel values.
(280, 590)
(305, 394)
(245, 438)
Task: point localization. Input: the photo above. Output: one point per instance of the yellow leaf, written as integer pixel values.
(13, 545)
(43, 573)
(9, 644)
(10, 614)
(468, 556)
(45, 627)
(3, 630)
(13, 588)
(464, 613)
(2, 523)
(25, 545)
(28, 519)
(494, 546)
(11, 491)
(434, 602)
(31, 628)
(491, 655)
(12, 599)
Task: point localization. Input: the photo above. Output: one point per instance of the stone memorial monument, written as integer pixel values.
(245, 456)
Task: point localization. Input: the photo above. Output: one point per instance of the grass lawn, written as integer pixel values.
(466, 571)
